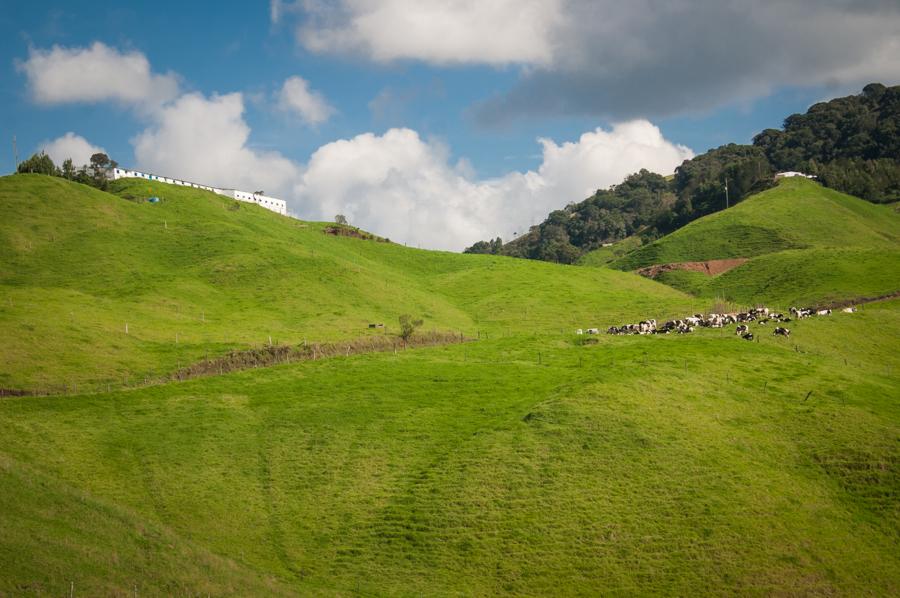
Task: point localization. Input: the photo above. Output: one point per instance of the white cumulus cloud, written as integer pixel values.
(296, 97)
(205, 139)
(463, 31)
(621, 60)
(94, 74)
(396, 184)
(405, 188)
(71, 146)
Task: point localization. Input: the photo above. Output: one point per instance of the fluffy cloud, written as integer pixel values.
(94, 74)
(407, 189)
(496, 32)
(396, 184)
(296, 97)
(71, 146)
(206, 140)
(648, 58)
(656, 60)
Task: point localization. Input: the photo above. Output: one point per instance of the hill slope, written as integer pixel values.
(531, 462)
(198, 274)
(807, 243)
(679, 465)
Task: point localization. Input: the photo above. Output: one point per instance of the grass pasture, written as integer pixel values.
(528, 462)
(807, 244)
(199, 274)
(669, 465)
(603, 256)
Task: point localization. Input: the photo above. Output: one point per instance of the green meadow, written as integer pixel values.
(527, 461)
(198, 274)
(806, 244)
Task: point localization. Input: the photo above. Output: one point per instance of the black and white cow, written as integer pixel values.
(779, 331)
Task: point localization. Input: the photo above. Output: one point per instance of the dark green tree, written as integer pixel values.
(39, 163)
(68, 169)
(100, 168)
(488, 247)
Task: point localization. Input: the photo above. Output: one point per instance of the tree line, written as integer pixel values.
(851, 144)
(96, 174)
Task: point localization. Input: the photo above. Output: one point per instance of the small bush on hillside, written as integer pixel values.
(408, 326)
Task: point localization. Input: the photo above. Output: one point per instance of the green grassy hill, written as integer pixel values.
(529, 462)
(808, 244)
(515, 466)
(603, 256)
(198, 274)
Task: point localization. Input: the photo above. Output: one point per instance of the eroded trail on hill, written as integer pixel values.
(709, 267)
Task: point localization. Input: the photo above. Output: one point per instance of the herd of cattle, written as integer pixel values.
(760, 315)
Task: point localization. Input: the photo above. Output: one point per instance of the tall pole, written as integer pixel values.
(726, 193)
(16, 154)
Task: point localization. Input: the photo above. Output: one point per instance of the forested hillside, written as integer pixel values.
(851, 144)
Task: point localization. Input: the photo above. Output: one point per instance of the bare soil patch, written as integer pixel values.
(710, 267)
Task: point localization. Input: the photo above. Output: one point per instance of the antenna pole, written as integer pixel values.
(726, 193)
(16, 154)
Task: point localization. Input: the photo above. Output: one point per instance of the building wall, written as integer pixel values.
(270, 203)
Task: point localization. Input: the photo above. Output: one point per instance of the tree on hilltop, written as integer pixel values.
(39, 163)
(68, 169)
(101, 165)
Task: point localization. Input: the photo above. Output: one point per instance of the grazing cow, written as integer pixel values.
(748, 336)
(612, 330)
(802, 312)
(823, 312)
(849, 310)
(646, 327)
(593, 331)
(779, 331)
(742, 329)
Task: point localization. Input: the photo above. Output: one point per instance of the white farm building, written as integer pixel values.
(791, 174)
(270, 203)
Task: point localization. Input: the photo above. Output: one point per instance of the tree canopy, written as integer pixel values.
(97, 175)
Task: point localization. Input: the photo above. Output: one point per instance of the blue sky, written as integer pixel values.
(466, 91)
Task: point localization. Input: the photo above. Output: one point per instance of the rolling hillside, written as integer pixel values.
(528, 462)
(806, 244)
(682, 465)
(198, 274)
